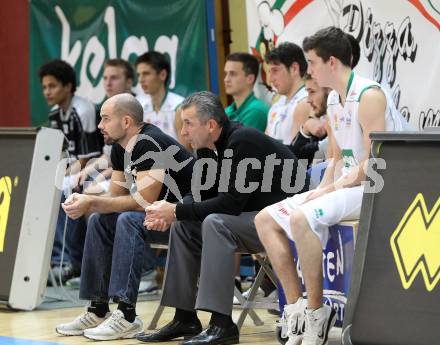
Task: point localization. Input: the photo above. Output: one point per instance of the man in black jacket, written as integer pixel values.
(243, 171)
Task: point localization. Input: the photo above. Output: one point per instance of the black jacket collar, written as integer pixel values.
(228, 128)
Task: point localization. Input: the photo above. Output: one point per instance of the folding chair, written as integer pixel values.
(248, 305)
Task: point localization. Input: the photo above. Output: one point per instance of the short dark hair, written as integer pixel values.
(250, 62)
(287, 53)
(157, 60)
(125, 65)
(355, 50)
(208, 107)
(330, 41)
(61, 71)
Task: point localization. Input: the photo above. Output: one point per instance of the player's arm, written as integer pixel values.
(148, 185)
(335, 154)
(330, 148)
(148, 188)
(83, 162)
(372, 109)
(118, 185)
(93, 166)
(300, 116)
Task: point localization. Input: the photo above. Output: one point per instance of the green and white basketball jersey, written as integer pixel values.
(280, 117)
(344, 120)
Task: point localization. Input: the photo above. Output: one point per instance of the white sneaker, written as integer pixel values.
(115, 327)
(258, 296)
(81, 323)
(292, 321)
(318, 324)
(148, 283)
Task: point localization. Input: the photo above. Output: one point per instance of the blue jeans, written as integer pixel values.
(74, 240)
(115, 253)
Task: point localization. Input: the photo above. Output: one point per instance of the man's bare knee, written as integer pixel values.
(265, 223)
(260, 220)
(298, 224)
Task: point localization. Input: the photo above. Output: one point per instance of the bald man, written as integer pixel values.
(144, 161)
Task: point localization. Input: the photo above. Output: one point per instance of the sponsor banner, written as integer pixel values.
(337, 263)
(414, 244)
(89, 32)
(16, 152)
(398, 47)
(396, 271)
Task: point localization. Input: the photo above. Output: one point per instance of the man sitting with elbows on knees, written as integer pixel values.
(147, 166)
(210, 226)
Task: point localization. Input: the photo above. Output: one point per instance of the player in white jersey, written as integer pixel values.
(159, 104)
(287, 66)
(165, 117)
(355, 108)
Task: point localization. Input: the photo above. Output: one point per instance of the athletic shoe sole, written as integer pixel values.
(69, 333)
(107, 337)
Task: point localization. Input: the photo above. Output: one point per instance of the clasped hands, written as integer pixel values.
(76, 205)
(159, 215)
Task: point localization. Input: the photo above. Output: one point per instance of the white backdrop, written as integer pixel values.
(399, 39)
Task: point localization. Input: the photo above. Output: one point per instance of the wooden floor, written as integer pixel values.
(40, 325)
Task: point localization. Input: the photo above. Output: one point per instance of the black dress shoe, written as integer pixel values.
(215, 335)
(172, 330)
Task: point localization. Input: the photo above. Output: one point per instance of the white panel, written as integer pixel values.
(39, 220)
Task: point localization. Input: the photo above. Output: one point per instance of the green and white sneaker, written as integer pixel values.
(85, 321)
(115, 327)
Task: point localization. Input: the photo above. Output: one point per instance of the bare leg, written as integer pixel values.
(309, 250)
(277, 248)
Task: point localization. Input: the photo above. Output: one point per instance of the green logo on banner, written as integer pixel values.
(87, 33)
